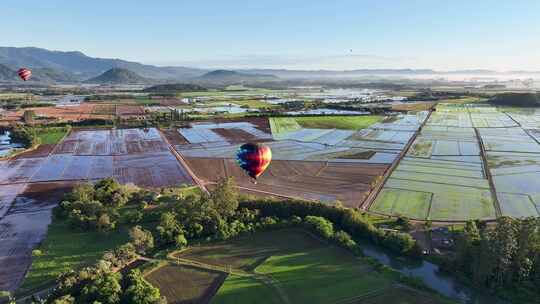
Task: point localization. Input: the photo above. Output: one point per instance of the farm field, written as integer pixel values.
(23, 227)
(183, 284)
(64, 249)
(34, 182)
(129, 155)
(327, 182)
(321, 164)
(442, 177)
(303, 269)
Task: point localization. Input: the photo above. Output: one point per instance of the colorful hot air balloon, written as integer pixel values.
(254, 158)
(25, 74)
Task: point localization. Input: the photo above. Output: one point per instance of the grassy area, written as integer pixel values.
(468, 99)
(401, 295)
(413, 204)
(237, 289)
(298, 268)
(64, 249)
(52, 136)
(254, 103)
(181, 284)
(338, 122)
(283, 124)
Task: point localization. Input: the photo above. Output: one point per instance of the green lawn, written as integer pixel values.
(237, 289)
(296, 266)
(64, 249)
(51, 137)
(324, 275)
(338, 122)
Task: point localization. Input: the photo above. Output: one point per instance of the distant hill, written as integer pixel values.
(118, 76)
(516, 99)
(230, 77)
(81, 67)
(7, 74)
(175, 87)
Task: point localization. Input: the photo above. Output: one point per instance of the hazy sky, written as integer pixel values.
(449, 34)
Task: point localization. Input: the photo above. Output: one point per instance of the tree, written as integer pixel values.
(225, 198)
(67, 299)
(168, 228)
(504, 246)
(104, 223)
(320, 225)
(105, 288)
(140, 291)
(141, 239)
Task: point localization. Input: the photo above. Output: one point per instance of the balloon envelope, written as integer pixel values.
(254, 158)
(25, 74)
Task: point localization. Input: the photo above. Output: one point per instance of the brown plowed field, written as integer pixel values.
(261, 123)
(235, 135)
(346, 182)
(174, 137)
(41, 151)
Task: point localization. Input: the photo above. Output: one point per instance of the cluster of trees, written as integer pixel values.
(95, 207)
(503, 256)
(220, 215)
(102, 283)
(346, 219)
(25, 135)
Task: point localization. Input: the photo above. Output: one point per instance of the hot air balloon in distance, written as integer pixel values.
(254, 158)
(24, 73)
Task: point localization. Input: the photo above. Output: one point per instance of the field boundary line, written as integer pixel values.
(496, 204)
(183, 162)
(366, 204)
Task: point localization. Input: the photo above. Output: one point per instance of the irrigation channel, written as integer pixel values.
(430, 274)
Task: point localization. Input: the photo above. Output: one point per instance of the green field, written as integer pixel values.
(248, 289)
(412, 204)
(517, 205)
(253, 103)
(280, 125)
(338, 122)
(289, 266)
(51, 137)
(64, 249)
(289, 124)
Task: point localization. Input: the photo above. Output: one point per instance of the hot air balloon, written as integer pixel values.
(25, 74)
(254, 158)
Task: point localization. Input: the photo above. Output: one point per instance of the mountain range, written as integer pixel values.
(59, 66)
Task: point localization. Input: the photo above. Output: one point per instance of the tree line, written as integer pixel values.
(503, 257)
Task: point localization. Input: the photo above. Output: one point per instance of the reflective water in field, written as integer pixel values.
(6, 146)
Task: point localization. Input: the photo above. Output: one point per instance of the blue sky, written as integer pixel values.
(311, 34)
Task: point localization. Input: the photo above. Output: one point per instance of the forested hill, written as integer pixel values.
(118, 76)
(516, 99)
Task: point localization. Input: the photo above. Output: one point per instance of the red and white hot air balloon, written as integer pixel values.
(25, 74)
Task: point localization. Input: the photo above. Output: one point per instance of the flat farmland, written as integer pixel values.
(346, 182)
(135, 156)
(442, 178)
(24, 226)
(183, 284)
(290, 266)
